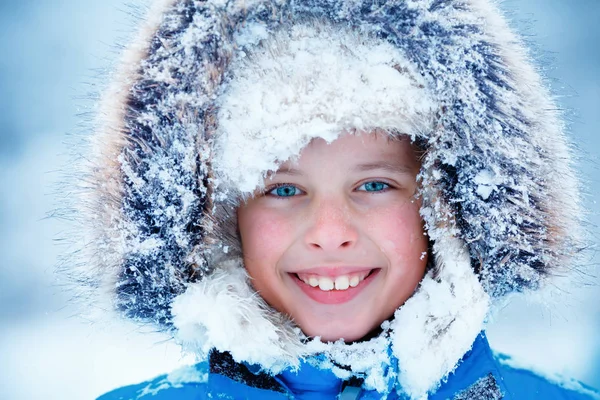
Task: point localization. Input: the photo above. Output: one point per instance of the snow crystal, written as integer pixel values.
(153, 390)
(486, 181)
(176, 379)
(251, 35)
(148, 246)
(369, 360)
(187, 374)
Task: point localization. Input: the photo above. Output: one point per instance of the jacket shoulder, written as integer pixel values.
(185, 383)
(523, 383)
(486, 375)
(193, 383)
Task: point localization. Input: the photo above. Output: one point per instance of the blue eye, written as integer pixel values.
(285, 191)
(373, 186)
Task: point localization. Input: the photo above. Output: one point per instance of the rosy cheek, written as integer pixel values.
(263, 233)
(399, 232)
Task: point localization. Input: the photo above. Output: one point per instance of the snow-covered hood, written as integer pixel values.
(212, 94)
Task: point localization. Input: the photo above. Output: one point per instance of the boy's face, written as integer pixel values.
(336, 240)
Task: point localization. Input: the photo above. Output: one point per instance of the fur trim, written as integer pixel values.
(102, 230)
(439, 324)
(311, 81)
(230, 306)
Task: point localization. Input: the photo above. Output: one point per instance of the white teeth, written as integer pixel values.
(342, 283)
(325, 284)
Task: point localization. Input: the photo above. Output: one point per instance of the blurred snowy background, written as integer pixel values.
(51, 52)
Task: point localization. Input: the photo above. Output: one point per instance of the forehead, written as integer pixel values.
(376, 148)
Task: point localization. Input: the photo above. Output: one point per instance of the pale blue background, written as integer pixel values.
(52, 52)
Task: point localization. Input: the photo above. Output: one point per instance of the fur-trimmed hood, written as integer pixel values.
(211, 95)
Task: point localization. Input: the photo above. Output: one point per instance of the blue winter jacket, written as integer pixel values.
(480, 375)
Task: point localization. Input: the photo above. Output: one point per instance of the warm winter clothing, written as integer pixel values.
(480, 375)
(214, 94)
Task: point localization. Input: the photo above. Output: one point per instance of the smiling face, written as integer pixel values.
(335, 240)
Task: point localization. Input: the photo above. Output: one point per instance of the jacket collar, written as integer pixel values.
(312, 379)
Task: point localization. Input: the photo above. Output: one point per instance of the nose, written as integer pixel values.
(331, 227)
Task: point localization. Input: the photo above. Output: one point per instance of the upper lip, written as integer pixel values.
(333, 271)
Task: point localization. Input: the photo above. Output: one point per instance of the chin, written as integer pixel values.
(335, 334)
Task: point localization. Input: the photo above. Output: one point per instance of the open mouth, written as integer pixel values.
(342, 282)
(334, 290)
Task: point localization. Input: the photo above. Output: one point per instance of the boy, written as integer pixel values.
(322, 198)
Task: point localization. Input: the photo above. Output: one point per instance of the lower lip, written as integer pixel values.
(334, 296)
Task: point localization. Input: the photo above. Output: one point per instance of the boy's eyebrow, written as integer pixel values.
(286, 170)
(391, 167)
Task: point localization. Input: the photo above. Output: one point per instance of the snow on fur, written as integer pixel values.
(439, 323)
(194, 106)
(230, 306)
(311, 81)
